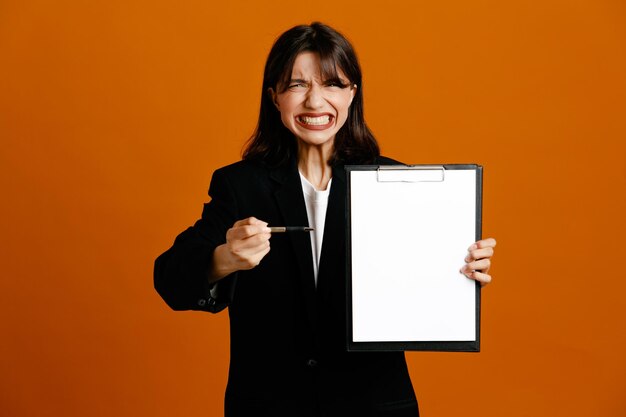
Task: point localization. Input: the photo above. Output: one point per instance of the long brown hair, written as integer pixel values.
(271, 141)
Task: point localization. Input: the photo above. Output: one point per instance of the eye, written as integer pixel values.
(336, 84)
(297, 86)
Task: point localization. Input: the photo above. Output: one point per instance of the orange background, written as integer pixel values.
(113, 115)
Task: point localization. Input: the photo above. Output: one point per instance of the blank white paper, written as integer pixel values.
(408, 242)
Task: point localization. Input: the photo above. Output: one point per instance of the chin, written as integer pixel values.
(316, 140)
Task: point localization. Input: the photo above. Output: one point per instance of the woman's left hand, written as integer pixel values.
(478, 261)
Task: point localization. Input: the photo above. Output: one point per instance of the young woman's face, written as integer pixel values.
(313, 109)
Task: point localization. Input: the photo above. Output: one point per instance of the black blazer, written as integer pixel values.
(288, 338)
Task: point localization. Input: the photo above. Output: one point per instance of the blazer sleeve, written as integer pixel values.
(181, 273)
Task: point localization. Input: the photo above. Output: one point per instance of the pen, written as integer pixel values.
(290, 229)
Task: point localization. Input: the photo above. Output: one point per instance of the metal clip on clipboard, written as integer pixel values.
(411, 173)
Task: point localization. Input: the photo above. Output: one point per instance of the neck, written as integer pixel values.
(313, 164)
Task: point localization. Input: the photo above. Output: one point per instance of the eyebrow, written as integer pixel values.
(338, 80)
(332, 79)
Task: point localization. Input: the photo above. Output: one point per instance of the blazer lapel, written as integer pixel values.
(333, 243)
(290, 200)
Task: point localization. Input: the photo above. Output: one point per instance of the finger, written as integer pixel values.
(252, 259)
(261, 240)
(482, 265)
(481, 277)
(258, 257)
(485, 243)
(262, 250)
(253, 242)
(243, 222)
(479, 254)
(249, 220)
(246, 253)
(245, 231)
(243, 253)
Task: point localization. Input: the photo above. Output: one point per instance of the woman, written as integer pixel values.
(287, 299)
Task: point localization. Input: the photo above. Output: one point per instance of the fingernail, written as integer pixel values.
(473, 247)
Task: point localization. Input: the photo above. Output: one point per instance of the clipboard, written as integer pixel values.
(408, 230)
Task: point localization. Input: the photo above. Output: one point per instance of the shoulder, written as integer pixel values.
(242, 171)
(383, 160)
(242, 176)
(242, 167)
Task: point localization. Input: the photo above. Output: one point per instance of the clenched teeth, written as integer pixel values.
(316, 121)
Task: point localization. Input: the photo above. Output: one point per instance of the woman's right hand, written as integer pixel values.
(247, 242)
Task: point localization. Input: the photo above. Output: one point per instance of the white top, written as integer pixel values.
(316, 204)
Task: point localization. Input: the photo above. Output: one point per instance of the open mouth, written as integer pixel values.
(310, 121)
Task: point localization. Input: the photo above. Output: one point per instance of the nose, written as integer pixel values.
(315, 97)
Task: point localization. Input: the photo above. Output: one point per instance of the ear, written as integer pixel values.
(352, 92)
(274, 97)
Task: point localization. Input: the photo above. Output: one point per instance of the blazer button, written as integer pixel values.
(201, 302)
(311, 363)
